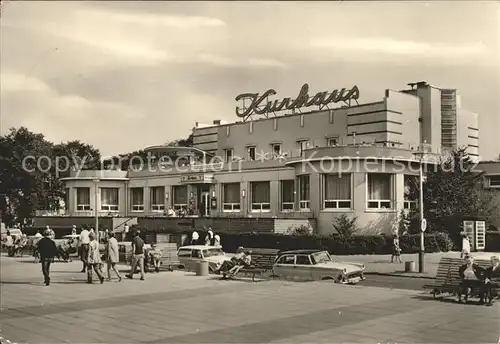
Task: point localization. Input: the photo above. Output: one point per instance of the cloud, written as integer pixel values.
(396, 47)
(225, 61)
(172, 21)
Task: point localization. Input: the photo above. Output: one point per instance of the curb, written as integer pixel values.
(397, 275)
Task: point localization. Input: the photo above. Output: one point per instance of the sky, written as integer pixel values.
(126, 75)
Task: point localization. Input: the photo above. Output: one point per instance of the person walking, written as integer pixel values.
(112, 256)
(47, 249)
(465, 246)
(9, 243)
(396, 249)
(94, 260)
(84, 247)
(137, 256)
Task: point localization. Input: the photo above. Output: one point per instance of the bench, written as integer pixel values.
(447, 277)
(262, 261)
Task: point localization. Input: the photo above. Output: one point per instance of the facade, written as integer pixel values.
(356, 160)
(492, 182)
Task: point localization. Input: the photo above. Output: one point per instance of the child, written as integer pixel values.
(396, 250)
(155, 257)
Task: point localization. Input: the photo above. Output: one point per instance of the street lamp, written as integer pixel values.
(96, 213)
(423, 222)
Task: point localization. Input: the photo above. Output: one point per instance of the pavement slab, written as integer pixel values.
(178, 307)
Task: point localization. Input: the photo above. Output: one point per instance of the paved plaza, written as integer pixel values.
(178, 307)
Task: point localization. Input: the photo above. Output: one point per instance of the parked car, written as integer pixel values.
(316, 265)
(190, 255)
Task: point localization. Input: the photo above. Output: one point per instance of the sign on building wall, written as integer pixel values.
(198, 178)
(259, 104)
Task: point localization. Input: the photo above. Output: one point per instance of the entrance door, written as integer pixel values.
(205, 203)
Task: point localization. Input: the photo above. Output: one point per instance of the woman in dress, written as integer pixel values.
(112, 256)
(94, 260)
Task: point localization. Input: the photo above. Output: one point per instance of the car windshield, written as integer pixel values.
(212, 252)
(321, 257)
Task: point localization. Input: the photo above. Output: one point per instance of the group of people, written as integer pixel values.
(90, 254)
(14, 244)
(211, 239)
(475, 277)
(242, 259)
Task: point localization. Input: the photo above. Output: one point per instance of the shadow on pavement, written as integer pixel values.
(449, 299)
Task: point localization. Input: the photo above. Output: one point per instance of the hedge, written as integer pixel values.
(365, 244)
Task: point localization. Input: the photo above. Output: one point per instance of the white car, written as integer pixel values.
(190, 255)
(316, 265)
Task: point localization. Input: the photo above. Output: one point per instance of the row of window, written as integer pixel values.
(336, 193)
(276, 149)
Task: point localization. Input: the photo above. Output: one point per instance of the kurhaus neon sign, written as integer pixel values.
(260, 105)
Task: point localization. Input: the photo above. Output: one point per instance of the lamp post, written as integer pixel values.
(423, 222)
(96, 212)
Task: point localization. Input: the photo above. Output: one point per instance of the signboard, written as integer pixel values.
(198, 178)
(423, 225)
(480, 235)
(260, 104)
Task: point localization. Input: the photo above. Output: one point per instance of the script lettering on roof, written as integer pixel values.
(259, 104)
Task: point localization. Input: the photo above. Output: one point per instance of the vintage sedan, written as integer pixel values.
(316, 265)
(190, 255)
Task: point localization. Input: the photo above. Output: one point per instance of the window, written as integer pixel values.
(332, 141)
(289, 260)
(337, 191)
(251, 153)
(82, 198)
(196, 254)
(303, 145)
(304, 192)
(410, 181)
(379, 191)
(157, 198)
(109, 199)
(287, 195)
(494, 181)
(180, 197)
(137, 199)
(231, 197)
(276, 148)
(261, 197)
(302, 260)
(184, 252)
(228, 155)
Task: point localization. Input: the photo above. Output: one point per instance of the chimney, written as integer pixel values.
(217, 121)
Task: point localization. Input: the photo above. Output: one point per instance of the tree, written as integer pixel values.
(345, 226)
(453, 191)
(30, 171)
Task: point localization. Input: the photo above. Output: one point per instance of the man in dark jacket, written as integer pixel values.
(48, 250)
(492, 278)
(472, 276)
